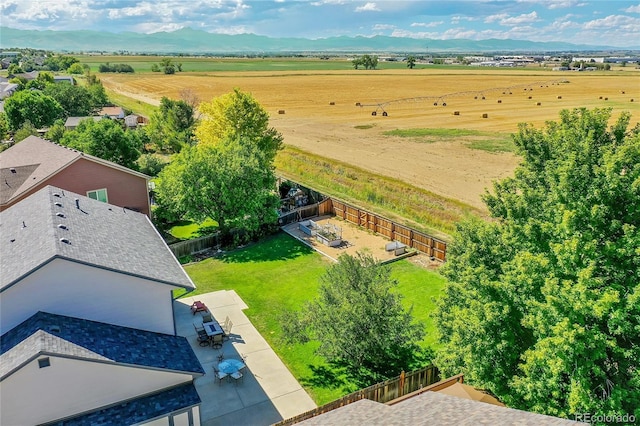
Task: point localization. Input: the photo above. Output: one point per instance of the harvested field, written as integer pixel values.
(322, 116)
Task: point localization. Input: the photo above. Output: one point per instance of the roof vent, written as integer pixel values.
(13, 240)
(77, 203)
(61, 226)
(13, 170)
(60, 214)
(44, 362)
(54, 328)
(55, 194)
(65, 240)
(58, 204)
(24, 225)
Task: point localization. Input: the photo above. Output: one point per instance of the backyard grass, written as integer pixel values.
(281, 273)
(186, 230)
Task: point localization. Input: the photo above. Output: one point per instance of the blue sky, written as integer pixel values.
(615, 23)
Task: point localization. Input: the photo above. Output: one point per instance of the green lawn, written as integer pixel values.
(186, 229)
(281, 273)
(474, 139)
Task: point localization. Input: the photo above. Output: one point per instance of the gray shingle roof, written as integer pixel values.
(432, 408)
(53, 334)
(44, 159)
(98, 234)
(74, 121)
(138, 410)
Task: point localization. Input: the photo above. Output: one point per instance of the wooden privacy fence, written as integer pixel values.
(185, 248)
(390, 229)
(301, 213)
(381, 392)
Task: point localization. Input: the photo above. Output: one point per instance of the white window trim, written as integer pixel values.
(106, 194)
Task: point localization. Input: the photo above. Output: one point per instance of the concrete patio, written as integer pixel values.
(268, 392)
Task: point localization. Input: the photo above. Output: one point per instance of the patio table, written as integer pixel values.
(231, 366)
(212, 328)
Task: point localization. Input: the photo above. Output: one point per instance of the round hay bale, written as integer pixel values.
(559, 97)
(475, 97)
(280, 111)
(435, 104)
(384, 113)
(358, 104)
(622, 91)
(374, 113)
(332, 103)
(458, 112)
(483, 98)
(485, 115)
(444, 104)
(499, 101)
(631, 99)
(530, 97)
(538, 103)
(600, 97)
(606, 99)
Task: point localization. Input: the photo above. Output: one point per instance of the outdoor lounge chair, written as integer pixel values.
(207, 318)
(203, 339)
(217, 341)
(237, 376)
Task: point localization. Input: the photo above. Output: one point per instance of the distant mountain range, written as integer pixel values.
(191, 41)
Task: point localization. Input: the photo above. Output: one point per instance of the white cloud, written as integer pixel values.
(323, 2)
(633, 9)
(506, 20)
(427, 24)
(619, 22)
(379, 27)
(367, 7)
(555, 4)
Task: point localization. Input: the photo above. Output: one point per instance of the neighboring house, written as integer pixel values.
(34, 163)
(114, 112)
(131, 120)
(64, 79)
(31, 75)
(430, 408)
(68, 254)
(72, 122)
(70, 371)
(7, 89)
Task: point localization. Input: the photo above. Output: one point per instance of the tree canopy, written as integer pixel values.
(359, 321)
(105, 139)
(41, 110)
(238, 116)
(172, 126)
(543, 304)
(226, 182)
(76, 101)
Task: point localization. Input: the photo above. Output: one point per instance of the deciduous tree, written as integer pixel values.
(41, 110)
(543, 305)
(359, 321)
(105, 139)
(238, 116)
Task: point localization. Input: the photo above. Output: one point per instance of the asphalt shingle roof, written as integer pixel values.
(44, 159)
(138, 410)
(432, 408)
(46, 333)
(96, 234)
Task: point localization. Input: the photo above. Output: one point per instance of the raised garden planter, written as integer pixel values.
(309, 227)
(328, 239)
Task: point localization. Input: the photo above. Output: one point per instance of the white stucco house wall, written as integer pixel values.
(86, 317)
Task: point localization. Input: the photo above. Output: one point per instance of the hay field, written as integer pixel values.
(321, 116)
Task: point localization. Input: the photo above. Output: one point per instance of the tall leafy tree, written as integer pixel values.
(105, 139)
(41, 110)
(543, 305)
(411, 61)
(76, 101)
(226, 182)
(172, 126)
(238, 116)
(359, 321)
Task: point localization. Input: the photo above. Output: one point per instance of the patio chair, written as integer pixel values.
(227, 329)
(217, 341)
(207, 318)
(237, 376)
(203, 339)
(226, 321)
(219, 375)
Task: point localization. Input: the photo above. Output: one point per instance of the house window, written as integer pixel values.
(44, 362)
(98, 194)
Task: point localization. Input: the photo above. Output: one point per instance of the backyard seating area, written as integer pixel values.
(245, 382)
